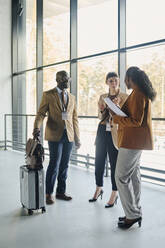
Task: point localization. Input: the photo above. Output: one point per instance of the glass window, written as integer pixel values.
(24, 96)
(91, 82)
(88, 129)
(19, 94)
(145, 21)
(56, 30)
(19, 107)
(31, 92)
(30, 34)
(151, 60)
(49, 75)
(159, 135)
(97, 26)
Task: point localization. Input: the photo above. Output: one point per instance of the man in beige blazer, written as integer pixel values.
(61, 131)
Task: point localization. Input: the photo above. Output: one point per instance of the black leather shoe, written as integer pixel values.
(111, 205)
(127, 223)
(122, 218)
(63, 197)
(99, 195)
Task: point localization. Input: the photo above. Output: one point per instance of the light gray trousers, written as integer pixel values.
(128, 181)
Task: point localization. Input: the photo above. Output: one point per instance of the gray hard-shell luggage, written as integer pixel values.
(32, 189)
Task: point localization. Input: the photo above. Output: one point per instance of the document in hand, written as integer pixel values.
(114, 108)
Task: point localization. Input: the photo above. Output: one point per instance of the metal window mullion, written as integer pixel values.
(138, 46)
(73, 45)
(39, 52)
(18, 58)
(122, 42)
(14, 36)
(73, 52)
(18, 63)
(39, 56)
(14, 46)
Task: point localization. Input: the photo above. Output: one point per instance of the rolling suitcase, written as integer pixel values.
(32, 189)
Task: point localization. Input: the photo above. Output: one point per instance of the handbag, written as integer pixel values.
(34, 156)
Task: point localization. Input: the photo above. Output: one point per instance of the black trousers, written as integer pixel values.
(104, 145)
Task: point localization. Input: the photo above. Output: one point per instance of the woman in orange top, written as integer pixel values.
(134, 135)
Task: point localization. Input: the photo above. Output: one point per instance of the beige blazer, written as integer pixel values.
(135, 131)
(51, 105)
(114, 128)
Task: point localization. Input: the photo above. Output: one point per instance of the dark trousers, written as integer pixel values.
(58, 164)
(104, 145)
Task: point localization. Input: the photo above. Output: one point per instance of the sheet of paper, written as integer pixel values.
(114, 108)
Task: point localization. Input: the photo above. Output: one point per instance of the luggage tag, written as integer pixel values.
(64, 116)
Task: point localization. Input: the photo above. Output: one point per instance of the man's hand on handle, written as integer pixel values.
(36, 132)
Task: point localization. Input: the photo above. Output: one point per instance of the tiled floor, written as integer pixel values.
(75, 224)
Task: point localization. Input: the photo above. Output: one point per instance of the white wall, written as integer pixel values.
(5, 62)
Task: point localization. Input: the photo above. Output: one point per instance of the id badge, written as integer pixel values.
(64, 116)
(108, 128)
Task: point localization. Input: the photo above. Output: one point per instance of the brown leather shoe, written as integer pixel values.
(63, 197)
(49, 199)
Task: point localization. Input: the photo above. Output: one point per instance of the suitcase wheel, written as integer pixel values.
(43, 209)
(30, 212)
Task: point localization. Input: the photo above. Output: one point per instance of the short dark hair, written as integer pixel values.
(140, 78)
(111, 74)
(62, 76)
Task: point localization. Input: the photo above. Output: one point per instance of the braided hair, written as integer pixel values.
(141, 79)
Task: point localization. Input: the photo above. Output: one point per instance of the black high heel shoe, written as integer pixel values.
(126, 223)
(111, 205)
(99, 195)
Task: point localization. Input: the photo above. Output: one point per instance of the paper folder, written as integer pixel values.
(114, 107)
